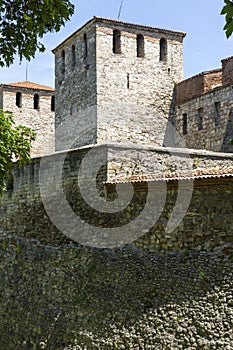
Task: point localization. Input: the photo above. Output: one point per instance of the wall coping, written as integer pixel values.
(159, 149)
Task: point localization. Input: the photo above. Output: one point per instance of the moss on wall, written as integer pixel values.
(73, 297)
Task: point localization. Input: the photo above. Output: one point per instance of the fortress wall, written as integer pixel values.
(162, 290)
(209, 120)
(207, 223)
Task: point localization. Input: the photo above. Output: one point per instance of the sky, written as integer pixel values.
(204, 45)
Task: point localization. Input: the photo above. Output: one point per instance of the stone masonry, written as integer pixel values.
(204, 109)
(162, 278)
(227, 69)
(33, 106)
(22, 209)
(77, 298)
(116, 96)
(115, 82)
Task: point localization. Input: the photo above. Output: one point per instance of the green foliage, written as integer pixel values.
(202, 275)
(15, 143)
(186, 252)
(22, 23)
(228, 12)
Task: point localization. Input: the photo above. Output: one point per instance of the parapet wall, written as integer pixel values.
(201, 83)
(197, 85)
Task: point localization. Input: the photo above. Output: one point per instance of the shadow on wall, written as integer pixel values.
(226, 145)
(52, 298)
(171, 138)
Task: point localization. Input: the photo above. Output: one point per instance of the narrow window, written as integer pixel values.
(18, 99)
(73, 109)
(163, 49)
(127, 80)
(200, 118)
(140, 45)
(185, 124)
(52, 103)
(36, 101)
(217, 106)
(117, 42)
(63, 63)
(73, 56)
(85, 52)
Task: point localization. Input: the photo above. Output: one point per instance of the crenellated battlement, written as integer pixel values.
(127, 71)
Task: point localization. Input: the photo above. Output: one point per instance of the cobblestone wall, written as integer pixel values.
(41, 120)
(76, 298)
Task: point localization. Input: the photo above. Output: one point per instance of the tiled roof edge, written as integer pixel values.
(191, 175)
(34, 86)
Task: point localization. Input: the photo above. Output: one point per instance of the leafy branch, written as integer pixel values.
(22, 23)
(227, 10)
(15, 144)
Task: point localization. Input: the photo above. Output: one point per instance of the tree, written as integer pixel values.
(227, 10)
(23, 22)
(15, 143)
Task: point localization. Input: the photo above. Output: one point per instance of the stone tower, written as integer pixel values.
(114, 82)
(32, 105)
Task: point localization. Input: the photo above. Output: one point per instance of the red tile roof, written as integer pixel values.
(183, 175)
(29, 85)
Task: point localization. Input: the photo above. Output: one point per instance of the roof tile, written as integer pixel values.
(171, 176)
(29, 85)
